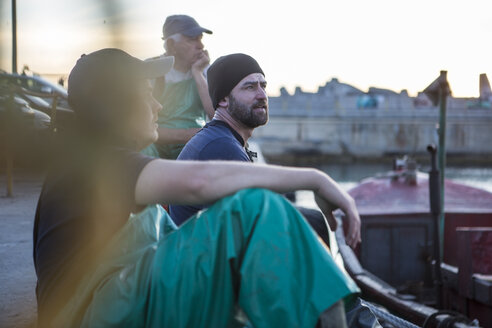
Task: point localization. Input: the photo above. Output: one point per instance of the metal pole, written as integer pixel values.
(14, 37)
(435, 207)
(9, 156)
(443, 93)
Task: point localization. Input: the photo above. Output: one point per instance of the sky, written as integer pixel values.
(393, 44)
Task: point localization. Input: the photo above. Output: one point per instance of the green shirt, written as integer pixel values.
(182, 109)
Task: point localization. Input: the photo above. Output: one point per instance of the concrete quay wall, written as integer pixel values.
(374, 135)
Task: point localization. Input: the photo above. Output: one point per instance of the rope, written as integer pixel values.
(388, 317)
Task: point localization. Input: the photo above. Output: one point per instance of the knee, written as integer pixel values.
(263, 200)
(269, 207)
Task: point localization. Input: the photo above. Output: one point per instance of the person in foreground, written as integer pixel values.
(106, 256)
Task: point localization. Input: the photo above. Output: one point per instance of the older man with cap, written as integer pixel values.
(183, 91)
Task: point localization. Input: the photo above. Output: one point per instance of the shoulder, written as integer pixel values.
(213, 142)
(127, 162)
(203, 137)
(127, 155)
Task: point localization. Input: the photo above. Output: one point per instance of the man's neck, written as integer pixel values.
(221, 114)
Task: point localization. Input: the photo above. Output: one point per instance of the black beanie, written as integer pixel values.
(226, 72)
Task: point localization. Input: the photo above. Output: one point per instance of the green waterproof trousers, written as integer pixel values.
(252, 251)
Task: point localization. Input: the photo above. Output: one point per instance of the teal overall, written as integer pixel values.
(252, 251)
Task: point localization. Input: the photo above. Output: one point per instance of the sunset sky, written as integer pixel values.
(385, 43)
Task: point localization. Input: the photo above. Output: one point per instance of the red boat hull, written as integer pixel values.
(398, 242)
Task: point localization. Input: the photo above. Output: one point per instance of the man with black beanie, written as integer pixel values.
(236, 84)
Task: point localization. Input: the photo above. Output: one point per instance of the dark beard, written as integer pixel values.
(246, 115)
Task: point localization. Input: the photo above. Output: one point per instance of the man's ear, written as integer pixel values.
(224, 103)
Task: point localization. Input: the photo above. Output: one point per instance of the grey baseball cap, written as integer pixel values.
(182, 24)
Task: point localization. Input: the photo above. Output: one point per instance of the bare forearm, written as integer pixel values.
(175, 136)
(202, 87)
(193, 182)
(231, 178)
(286, 179)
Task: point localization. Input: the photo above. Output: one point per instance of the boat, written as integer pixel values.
(397, 264)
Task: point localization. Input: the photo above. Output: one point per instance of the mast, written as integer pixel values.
(437, 92)
(441, 151)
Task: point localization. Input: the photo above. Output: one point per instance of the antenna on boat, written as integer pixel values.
(437, 92)
(436, 209)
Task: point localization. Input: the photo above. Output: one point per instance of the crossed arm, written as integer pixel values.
(201, 83)
(195, 182)
(202, 87)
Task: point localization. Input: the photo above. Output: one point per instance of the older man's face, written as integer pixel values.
(188, 49)
(248, 101)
